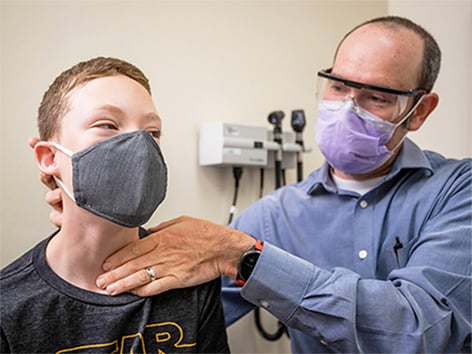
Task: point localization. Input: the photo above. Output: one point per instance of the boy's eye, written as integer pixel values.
(105, 125)
(156, 134)
(108, 126)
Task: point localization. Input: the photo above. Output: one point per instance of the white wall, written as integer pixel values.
(207, 61)
(449, 128)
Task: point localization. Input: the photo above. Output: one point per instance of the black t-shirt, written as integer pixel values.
(42, 313)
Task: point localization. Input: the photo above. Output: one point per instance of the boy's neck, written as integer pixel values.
(79, 249)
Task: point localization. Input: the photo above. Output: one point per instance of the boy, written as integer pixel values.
(99, 133)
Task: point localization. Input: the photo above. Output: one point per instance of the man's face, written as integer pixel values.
(376, 55)
(101, 109)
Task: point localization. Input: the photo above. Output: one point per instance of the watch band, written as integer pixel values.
(247, 262)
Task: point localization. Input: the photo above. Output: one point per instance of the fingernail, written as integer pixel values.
(100, 282)
(111, 289)
(106, 266)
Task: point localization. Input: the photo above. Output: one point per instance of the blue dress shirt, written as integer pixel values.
(387, 271)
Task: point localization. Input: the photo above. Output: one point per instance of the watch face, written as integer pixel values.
(248, 263)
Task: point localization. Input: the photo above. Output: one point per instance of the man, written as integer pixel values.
(372, 252)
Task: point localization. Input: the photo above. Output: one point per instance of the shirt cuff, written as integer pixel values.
(278, 282)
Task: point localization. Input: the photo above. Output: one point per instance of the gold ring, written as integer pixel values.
(151, 273)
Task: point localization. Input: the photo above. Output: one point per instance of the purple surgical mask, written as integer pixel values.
(353, 140)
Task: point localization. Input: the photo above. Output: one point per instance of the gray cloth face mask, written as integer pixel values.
(122, 179)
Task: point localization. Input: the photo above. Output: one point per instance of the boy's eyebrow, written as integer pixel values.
(109, 107)
(153, 116)
(119, 111)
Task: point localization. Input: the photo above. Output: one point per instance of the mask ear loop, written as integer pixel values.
(62, 148)
(57, 179)
(60, 184)
(408, 115)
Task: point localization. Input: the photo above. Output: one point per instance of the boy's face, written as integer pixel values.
(105, 107)
(101, 109)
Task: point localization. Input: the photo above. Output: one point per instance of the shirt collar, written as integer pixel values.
(409, 157)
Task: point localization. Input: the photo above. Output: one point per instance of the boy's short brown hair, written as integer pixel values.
(55, 102)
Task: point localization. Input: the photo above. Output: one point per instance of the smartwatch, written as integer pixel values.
(247, 263)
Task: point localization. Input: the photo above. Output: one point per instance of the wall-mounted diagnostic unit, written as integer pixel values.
(228, 144)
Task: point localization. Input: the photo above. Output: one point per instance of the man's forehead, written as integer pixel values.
(386, 34)
(378, 52)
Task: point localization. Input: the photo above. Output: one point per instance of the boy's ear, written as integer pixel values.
(424, 109)
(45, 155)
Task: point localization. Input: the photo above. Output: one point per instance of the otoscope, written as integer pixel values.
(275, 118)
(298, 124)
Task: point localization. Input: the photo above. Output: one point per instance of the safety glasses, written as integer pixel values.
(334, 92)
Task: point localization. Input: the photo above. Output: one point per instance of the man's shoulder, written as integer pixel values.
(449, 166)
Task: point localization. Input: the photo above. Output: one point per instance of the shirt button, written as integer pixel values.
(264, 304)
(363, 204)
(362, 254)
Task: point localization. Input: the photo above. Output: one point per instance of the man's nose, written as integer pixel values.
(351, 97)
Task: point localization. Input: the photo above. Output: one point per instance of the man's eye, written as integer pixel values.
(338, 88)
(378, 99)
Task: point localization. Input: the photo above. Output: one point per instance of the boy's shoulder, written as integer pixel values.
(16, 279)
(17, 269)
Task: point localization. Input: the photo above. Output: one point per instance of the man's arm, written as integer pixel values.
(175, 250)
(423, 305)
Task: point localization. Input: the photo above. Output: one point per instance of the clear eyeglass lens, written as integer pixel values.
(335, 95)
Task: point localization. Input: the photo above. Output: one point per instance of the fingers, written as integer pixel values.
(33, 141)
(131, 251)
(156, 287)
(135, 280)
(54, 197)
(48, 181)
(121, 274)
(140, 284)
(55, 217)
(184, 252)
